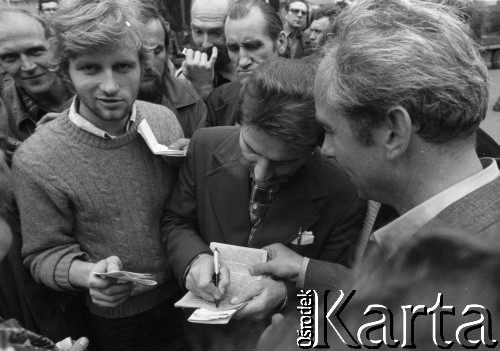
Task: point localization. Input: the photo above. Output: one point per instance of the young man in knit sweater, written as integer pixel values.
(90, 192)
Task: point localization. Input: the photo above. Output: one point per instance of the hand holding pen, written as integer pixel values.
(217, 273)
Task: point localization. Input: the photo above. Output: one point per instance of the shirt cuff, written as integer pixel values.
(302, 274)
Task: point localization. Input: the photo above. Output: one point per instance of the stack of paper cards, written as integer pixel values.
(202, 315)
(158, 149)
(238, 259)
(123, 276)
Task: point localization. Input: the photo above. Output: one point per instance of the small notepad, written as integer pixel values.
(158, 149)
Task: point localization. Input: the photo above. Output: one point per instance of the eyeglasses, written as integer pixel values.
(49, 10)
(297, 11)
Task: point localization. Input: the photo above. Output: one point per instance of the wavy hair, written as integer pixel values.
(412, 53)
(278, 99)
(83, 26)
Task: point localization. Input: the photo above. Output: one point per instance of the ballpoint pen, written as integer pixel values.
(299, 238)
(216, 269)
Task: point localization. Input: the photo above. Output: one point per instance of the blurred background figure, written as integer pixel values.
(295, 20)
(321, 20)
(47, 9)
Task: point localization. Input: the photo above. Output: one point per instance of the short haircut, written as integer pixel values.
(278, 99)
(150, 12)
(241, 8)
(415, 54)
(289, 2)
(40, 2)
(84, 26)
(6, 12)
(329, 11)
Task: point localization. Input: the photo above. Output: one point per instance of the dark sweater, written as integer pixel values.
(82, 196)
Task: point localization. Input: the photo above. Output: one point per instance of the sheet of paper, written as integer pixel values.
(158, 149)
(141, 278)
(238, 259)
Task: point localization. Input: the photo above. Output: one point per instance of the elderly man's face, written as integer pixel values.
(154, 35)
(248, 43)
(24, 54)
(207, 24)
(317, 27)
(341, 144)
(296, 15)
(270, 160)
(107, 84)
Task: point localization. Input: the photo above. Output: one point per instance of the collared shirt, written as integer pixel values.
(90, 127)
(297, 44)
(400, 230)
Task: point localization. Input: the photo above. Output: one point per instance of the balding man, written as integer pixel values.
(30, 89)
(209, 65)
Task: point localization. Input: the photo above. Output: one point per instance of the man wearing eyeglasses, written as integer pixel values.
(295, 19)
(47, 8)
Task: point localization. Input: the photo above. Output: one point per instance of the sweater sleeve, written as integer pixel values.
(46, 221)
(180, 226)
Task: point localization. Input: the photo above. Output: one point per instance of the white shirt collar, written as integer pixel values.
(400, 230)
(91, 128)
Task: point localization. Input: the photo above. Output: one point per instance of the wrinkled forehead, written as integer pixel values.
(21, 25)
(207, 13)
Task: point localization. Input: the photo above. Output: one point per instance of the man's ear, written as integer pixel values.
(397, 132)
(282, 43)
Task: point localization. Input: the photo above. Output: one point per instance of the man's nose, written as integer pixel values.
(108, 84)
(244, 59)
(26, 63)
(262, 171)
(327, 148)
(206, 43)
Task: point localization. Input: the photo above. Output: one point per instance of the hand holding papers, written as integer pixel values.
(158, 149)
(238, 260)
(141, 278)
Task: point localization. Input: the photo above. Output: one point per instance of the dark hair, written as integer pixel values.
(241, 8)
(328, 11)
(7, 11)
(289, 2)
(278, 99)
(150, 12)
(40, 2)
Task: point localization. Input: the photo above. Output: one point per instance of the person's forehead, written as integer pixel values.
(110, 56)
(15, 30)
(154, 30)
(209, 14)
(298, 5)
(320, 23)
(49, 5)
(269, 146)
(252, 26)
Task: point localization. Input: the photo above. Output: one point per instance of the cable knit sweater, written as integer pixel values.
(82, 196)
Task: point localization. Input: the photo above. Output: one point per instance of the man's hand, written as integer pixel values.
(199, 70)
(108, 292)
(263, 296)
(282, 262)
(80, 345)
(180, 144)
(199, 278)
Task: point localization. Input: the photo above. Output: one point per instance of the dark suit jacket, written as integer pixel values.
(210, 203)
(223, 105)
(477, 213)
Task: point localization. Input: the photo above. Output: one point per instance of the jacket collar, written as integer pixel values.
(293, 207)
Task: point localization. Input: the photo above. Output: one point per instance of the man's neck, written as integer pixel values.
(290, 31)
(431, 171)
(53, 100)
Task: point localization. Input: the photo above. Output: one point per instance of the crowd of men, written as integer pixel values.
(362, 132)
